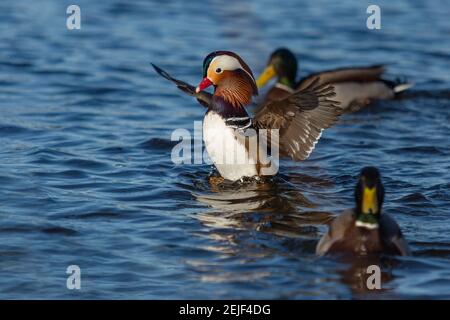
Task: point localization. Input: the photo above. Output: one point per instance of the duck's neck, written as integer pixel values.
(287, 81)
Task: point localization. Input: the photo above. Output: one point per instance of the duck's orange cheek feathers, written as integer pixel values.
(216, 78)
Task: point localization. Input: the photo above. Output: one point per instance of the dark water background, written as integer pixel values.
(86, 176)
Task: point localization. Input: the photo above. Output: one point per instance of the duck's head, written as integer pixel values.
(282, 64)
(231, 77)
(369, 196)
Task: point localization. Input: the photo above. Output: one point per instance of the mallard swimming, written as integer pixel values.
(355, 86)
(298, 119)
(364, 229)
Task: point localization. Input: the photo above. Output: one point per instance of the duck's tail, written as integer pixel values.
(398, 85)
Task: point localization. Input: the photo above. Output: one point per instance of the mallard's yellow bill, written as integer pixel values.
(370, 202)
(267, 74)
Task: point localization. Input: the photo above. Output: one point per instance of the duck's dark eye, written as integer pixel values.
(218, 70)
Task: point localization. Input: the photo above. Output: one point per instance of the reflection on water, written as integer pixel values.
(269, 206)
(358, 272)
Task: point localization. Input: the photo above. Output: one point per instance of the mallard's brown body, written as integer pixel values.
(355, 87)
(345, 237)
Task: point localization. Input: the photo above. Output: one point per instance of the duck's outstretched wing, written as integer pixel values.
(300, 118)
(203, 97)
(350, 74)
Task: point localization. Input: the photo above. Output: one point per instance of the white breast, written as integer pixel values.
(229, 155)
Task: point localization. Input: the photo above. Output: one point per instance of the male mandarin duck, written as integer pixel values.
(300, 117)
(364, 229)
(355, 87)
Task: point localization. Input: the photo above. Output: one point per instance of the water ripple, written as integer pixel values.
(86, 176)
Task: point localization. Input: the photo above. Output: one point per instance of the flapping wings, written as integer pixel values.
(300, 118)
(357, 74)
(203, 97)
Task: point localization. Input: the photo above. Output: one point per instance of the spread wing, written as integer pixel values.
(300, 118)
(361, 74)
(203, 97)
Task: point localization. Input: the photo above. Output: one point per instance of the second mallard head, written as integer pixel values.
(283, 65)
(369, 197)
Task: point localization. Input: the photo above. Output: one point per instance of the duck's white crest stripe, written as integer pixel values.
(227, 62)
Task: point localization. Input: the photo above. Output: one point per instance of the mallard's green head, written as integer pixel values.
(369, 196)
(282, 64)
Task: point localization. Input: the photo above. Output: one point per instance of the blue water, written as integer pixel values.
(86, 176)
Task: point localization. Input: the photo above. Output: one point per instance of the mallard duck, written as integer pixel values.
(355, 86)
(298, 119)
(364, 229)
